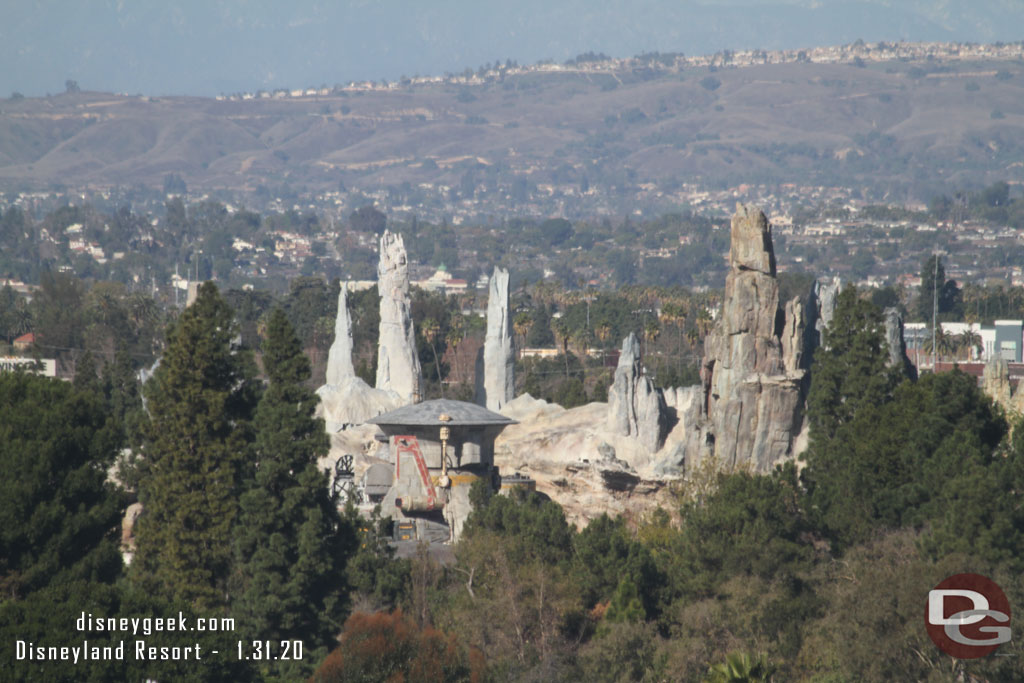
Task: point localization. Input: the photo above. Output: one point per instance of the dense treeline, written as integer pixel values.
(816, 574)
(237, 518)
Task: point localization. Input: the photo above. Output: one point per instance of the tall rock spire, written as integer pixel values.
(752, 373)
(398, 366)
(495, 369)
(345, 398)
(339, 358)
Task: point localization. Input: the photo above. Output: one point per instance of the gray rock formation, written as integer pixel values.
(752, 372)
(825, 294)
(794, 341)
(339, 358)
(635, 407)
(995, 381)
(495, 371)
(895, 342)
(398, 366)
(346, 399)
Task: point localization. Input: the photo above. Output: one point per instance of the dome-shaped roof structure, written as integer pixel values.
(428, 413)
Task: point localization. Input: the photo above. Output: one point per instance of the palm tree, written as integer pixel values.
(456, 333)
(704, 321)
(521, 325)
(430, 329)
(966, 342)
(19, 320)
(738, 667)
(141, 309)
(561, 332)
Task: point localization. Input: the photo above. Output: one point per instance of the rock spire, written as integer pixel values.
(636, 407)
(755, 359)
(346, 399)
(398, 365)
(495, 370)
(339, 358)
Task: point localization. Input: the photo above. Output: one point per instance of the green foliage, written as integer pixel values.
(15, 315)
(933, 275)
(57, 310)
(199, 402)
(377, 578)
(753, 525)
(907, 458)
(850, 370)
(981, 511)
(610, 564)
(625, 651)
(57, 514)
(533, 526)
(540, 334)
(290, 546)
(311, 306)
(368, 219)
(740, 667)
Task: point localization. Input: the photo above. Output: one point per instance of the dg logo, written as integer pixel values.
(968, 616)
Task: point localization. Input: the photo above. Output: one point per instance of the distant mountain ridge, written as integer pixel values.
(203, 48)
(908, 125)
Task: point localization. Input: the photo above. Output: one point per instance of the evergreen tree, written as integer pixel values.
(57, 514)
(851, 368)
(199, 400)
(291, 545)
(935, 288)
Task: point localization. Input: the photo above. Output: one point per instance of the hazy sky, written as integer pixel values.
(206, 47)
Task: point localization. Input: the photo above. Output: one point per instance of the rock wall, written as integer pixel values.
(755, 356)
(495, 370)
(398, 366)
(635, 406)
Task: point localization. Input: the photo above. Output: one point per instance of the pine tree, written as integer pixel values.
(291, 545)
(57, 512)
(199, 403)
(851, 369)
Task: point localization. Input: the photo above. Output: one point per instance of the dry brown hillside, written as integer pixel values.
(830, 124)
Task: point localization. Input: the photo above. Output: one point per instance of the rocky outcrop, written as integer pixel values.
(753, 371)
(995, 381)
(825, 294)
(346, 399)
(495, 370)
(398, 366)
(794, 336)
(635, 406)
(579, 462)
(896, 344)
